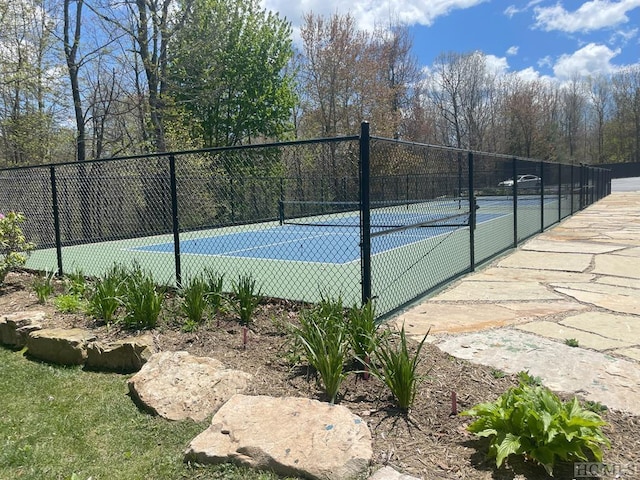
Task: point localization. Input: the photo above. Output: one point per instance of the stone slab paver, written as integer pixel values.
(559, 246)
(617, 265)
(562, 332)
(618, 327)
(498, 291)
(530, 275)
(632, 352)
(598, 377)
(628, 252)
(620, 282)
(595, 295)
(569, 262)
(440, 318)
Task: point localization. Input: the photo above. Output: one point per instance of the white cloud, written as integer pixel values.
(496, 65)
(592, 15)
(513, 50)
(369, 13)
(590, 59)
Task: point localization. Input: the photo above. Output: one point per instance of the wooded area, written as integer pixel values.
(90, 79)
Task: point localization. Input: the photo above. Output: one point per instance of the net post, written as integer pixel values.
(365, 212)
(472, 216)
(56, 218)
(174, 219)
(281, 211)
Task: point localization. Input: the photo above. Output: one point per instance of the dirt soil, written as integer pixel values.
(430, 443)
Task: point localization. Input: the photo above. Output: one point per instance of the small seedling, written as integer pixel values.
(497, 373)
(572, 342)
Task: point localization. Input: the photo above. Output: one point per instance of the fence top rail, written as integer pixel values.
(254, 146)
(478, 152)
(291, 143)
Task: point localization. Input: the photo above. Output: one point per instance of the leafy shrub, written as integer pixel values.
(14, 247)
(68, 303)
(323, 337)
(398, 369)
(142, 301)
(106, 295)
(531, 420)
(246, 298)
(43, 286)
(193, 300)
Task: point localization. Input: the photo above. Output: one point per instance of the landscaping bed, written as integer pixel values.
(429, 442)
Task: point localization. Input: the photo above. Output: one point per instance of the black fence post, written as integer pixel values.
(365, 212)
(175, 220)
(472, 216)
(542, 185)
(56, 218)
(573, 188)
(514, 174)
(559, 192)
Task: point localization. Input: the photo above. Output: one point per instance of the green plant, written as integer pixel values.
(572, 342)
(594, 406)
(76, 283)
(14, 247)
(524, 377)
(215, 283)
(43, 286)
(323, 338)
(246, 298)
(531, 420)
(142, 300)
(398, 368)
(106, 295)
(68, 303)
(497, 373)
(193, 300)
(363, 332)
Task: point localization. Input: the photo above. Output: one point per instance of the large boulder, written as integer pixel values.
(178, 385)
(290, 436)
(60, 345)
(127, 355)
(15, 327)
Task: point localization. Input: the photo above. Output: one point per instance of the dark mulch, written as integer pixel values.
(431, 442)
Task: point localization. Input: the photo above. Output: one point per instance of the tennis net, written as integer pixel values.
(440, 212)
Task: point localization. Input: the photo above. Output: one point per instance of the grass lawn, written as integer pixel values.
(66, 423)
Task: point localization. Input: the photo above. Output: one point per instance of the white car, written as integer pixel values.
(524, 181)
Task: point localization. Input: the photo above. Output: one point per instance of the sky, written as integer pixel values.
(558, 39)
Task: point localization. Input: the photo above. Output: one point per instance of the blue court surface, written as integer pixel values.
(299, 243)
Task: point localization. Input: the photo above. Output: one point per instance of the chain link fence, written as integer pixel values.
(357, 217)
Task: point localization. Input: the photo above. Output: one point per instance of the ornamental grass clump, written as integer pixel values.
(43, 287)
(106, 295)
(397, 368)
(246, 298)
(193, 303)
(363, 333)
(215, 283)
(322, 334)
(532, 421)
(142, 300)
